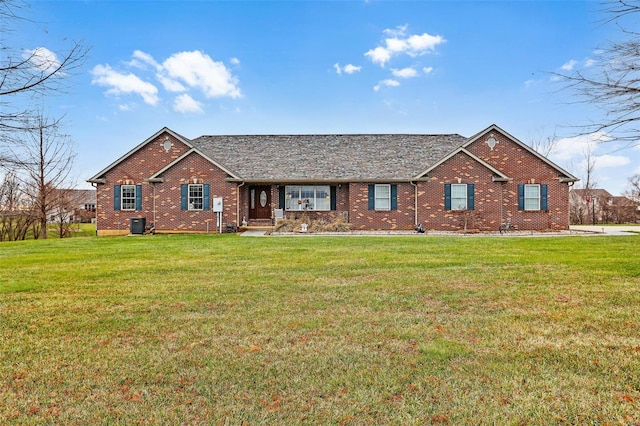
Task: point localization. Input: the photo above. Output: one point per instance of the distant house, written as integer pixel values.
(597, 205)
(374, 182)
(73, 205)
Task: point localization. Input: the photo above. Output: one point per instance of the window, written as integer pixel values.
(307, 197)
(383, 197)
(196, 197)
(532, 197)
(128, 198)
(459, 196)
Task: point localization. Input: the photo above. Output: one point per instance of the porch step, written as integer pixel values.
(256, 228)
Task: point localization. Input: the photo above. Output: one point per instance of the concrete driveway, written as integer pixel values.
(608, 229)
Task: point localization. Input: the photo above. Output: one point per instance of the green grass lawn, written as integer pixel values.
(223, 329)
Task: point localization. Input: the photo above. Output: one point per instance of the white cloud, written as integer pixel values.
(568, 66)
(573, 147)
(349, 68)
(427, 70)
(388, 83)
(119, 83)
(183, 72)
(42, 58)
(608, 160)
(398, 31)
(140, 59)
(398, 44)
(169, 84)
(404, 72)
(197, 70)
(186, 104)
(379, 55)
(589, 62)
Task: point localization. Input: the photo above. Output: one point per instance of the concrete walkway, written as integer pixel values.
(607, 229)
(583, 230)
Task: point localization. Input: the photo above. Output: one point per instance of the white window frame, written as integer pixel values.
(382, 201)
(128, 203)
(193, 199)
(528, 199)
(459, 202)
(309, 203)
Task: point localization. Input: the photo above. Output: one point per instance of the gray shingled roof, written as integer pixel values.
(287, 158)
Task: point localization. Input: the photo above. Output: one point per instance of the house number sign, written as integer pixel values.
(263, 199)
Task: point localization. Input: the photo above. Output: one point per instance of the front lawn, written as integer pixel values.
(223, 329)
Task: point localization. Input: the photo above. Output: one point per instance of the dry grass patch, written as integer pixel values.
(232, 330)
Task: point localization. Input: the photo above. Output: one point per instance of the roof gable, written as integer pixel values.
(160, 172)
(98, 177)
(498, 175)
(568, 177)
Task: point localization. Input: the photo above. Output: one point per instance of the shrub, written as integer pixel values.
(319, 225)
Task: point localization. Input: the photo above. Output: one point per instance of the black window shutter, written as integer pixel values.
(281, 196)
(206, 190)
(521, 196)
(544, 197)
(471, 202)
(116, 197)
(334, 198)
(372, 197)
(138, 197)
(184, 190)
(394, 197)
(447, 196)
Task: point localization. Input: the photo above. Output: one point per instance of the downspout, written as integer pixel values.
(238, 204)
(154, 205)
(95, 185)
(415, 207)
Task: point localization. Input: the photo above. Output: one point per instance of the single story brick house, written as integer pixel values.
(374, 182)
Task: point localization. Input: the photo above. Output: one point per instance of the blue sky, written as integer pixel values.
(302, 67)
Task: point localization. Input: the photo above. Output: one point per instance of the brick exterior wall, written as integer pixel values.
(144, 163)
(495, 202)
(523, 167)
(363, 218)
(460, 169)
(170, 217)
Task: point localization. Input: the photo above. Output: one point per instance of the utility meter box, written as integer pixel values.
(217, 205)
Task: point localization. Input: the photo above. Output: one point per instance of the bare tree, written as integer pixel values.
(28, 74)
(634, 188)
(64, 204)
(543, 145)
(590, 182)
(613, 82)
(42, 158)
(15, 210)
